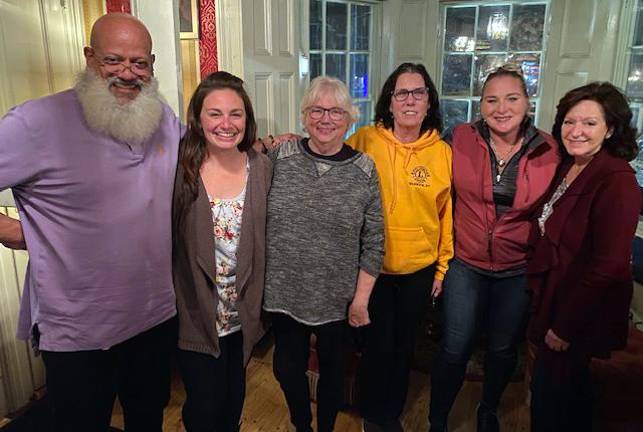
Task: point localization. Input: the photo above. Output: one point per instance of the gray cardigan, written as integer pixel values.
(194, 264)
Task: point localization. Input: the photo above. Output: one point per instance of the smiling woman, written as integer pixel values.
(219, 216)
(324, 250)
(581, 301)
(502, 166)
(415, 178)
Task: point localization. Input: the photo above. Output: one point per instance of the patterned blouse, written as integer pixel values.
(548, 208)
(226, 216)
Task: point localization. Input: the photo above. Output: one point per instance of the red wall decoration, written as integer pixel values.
(118, 6)
(207, 38)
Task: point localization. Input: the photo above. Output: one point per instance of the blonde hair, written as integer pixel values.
(329, 85)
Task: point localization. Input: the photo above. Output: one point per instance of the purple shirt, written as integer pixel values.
(96, 217)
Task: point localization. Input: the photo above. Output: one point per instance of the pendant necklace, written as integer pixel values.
(501, 162)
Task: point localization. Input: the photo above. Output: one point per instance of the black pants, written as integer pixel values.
(292, 347)
(396, 308)
(561, 392)
(82, 385)
(215, 387)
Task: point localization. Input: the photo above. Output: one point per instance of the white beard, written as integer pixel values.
(131, 122)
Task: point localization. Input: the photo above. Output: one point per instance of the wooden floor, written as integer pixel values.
(265, 408)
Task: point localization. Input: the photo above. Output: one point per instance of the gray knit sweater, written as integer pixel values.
(324, 224)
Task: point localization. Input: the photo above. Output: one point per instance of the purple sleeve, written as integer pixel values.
(19, 155)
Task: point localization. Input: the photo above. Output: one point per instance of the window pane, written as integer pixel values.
(530, 69)
(485, 64)
(360, 27)
(359, 75)
(634, 88)
(638, 33)
(493, 28)
(533, 109)
(456, 75)
(365, 117)
(336, 23)
(527, 28)
(475, 110)
(336, 66)
(454, 112)
(459, 35)
(315, 24)
(315, 65)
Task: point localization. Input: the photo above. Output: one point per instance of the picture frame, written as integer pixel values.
(189, 19)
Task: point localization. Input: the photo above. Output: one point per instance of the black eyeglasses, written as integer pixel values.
(116, 64)
(316, 113)
(419, 93)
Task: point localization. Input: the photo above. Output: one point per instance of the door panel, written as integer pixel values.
(271, 45)
(581, 48)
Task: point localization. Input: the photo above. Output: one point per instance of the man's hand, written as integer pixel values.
(11, 233)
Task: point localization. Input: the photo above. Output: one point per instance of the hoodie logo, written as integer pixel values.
(420, 176)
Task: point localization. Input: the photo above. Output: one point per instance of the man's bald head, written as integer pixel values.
(121, 52)
(114, 25)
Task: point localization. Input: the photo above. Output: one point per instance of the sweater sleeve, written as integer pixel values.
(371, 254)
(612, 224)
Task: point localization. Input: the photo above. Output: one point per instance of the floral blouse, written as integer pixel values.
(226, 216)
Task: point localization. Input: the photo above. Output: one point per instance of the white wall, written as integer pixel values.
(162, 20)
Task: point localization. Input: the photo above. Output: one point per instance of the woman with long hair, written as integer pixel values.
(219, 217)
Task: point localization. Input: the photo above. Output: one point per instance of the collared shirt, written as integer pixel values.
(96, 216)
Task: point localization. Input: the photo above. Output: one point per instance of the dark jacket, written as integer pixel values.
(194, 264)
(580, 272)
(481, 239)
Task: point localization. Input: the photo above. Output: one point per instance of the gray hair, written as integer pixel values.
(329, 85)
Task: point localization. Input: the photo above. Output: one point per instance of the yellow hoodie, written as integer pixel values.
(415, 183)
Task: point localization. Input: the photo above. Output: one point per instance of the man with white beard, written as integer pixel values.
(92, 170)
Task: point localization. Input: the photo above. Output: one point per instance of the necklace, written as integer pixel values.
(501, 162)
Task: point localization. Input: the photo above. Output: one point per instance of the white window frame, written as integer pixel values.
(444, 5)
(372, 52)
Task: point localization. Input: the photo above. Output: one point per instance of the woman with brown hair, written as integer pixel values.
(580, 273)
(219, 217)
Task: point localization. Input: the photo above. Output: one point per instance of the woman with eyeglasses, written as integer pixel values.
(502, 166)
(415, 179)
(325, 244)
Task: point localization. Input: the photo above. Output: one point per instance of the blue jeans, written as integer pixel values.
(474, 301)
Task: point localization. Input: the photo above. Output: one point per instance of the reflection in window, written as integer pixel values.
(454, 111)
(478, 38)
(340, 45)
(336, 25)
